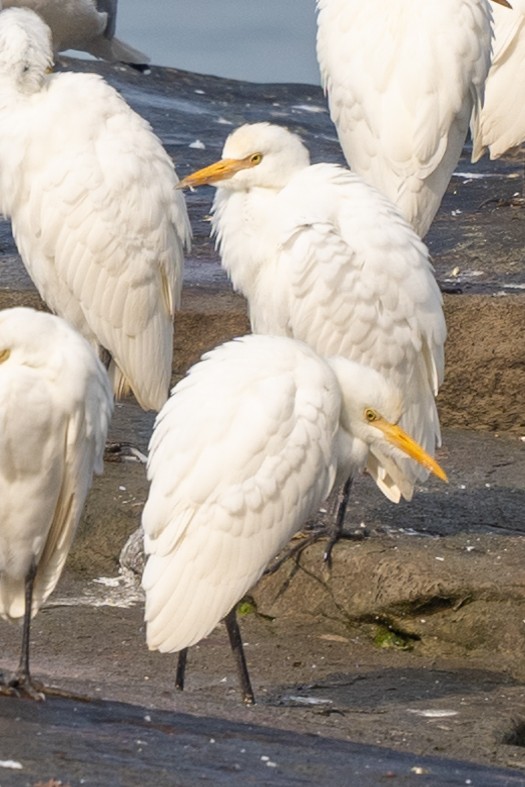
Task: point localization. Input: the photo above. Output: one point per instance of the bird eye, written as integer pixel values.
(370, 415)
(256, 159)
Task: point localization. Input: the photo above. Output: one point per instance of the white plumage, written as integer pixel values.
(92, 197)
(326, 259)
(86, 25)
(55, 407)
(245, 450)
(404, 79)
(503, 115)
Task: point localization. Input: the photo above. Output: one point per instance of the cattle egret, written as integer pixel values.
(404, 80)
(244, 451)
(91, 194)
(55, 407)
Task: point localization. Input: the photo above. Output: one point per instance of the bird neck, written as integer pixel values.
(244, 224)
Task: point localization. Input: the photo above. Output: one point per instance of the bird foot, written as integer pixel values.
(23, 686)
(333, 538)
(307, 539)
(124, 452)
(516, 201)
(304, 540)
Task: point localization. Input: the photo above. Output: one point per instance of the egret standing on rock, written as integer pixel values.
(86, 25)
(325, 258)
(244, 451)
(91, 194)
(404, 80)
(55, 407)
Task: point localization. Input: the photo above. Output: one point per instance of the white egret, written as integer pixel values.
(503, 115)
(404, 79)
(91, 194)
(325, 258)
(55, 407)
(244, 451)
(86, 25)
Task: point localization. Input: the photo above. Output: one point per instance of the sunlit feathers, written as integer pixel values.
(96, 216)
(245, 450)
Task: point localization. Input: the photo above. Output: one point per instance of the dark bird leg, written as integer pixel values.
(234, 634)
(337, 520)
(181, 669)
(232, 627)
(332, 531)
(21, 682)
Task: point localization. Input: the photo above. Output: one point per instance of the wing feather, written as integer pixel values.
(362, 286)
(101, 226)
(241, 454)
(502, 123)
(402, 118)
(54, 418)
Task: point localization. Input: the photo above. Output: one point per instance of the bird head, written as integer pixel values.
(26, 53)
(259, 155)
(371, 409)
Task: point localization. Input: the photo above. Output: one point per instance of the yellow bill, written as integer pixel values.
(398, 437)
(219, 170)
(502, 2)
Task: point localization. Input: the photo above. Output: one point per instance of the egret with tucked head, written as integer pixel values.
(55, 407)
(245, 450)
(91, 194)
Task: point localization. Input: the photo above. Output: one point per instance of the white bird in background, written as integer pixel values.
(404, 80)
(244, 451)
(503, 114)
(55, 408)
(325, 258)
(91, 194)
(85, 25)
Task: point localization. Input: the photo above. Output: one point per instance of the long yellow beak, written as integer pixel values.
(219, 170)
(502, 2)
(398, 437)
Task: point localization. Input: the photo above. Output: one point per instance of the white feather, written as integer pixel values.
(244, 452)
(503, 116)
(325, 258)
(96, 216)
(55, 407)
(404, 80)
